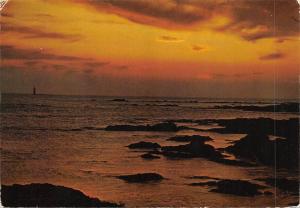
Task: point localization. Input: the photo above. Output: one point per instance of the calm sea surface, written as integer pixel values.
(60, 140)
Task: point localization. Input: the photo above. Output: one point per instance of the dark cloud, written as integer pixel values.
(250, 19)
(272, 56)
(254, 20)
(108, 22)
(198, 48)
(5, 14)
(10, 52)
(29, 32)
(179, 12)
(169, 39)
(42, 15)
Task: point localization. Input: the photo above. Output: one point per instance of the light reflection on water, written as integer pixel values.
(88, 160)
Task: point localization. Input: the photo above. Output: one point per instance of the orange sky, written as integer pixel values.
(215, 48)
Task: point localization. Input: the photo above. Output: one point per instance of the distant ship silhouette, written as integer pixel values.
(34, 91)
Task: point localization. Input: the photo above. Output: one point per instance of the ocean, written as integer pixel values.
(62, 140)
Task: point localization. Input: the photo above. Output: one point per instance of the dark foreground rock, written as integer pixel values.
(235, 187)
(144, 145)
(168, 126)
(185, 138)
(141, 178)
(149, 156)
(48, 195)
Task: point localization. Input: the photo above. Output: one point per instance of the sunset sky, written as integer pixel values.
(205, 48)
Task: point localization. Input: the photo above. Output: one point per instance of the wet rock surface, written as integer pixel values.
(141, 178)
(48, 195)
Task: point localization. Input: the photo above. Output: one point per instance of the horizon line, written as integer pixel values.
(144, 96)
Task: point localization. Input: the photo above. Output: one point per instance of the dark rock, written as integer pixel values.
(177, 155)
(287, 185)
(259, 148)
(163, 105)
(144, 145)
(48, 195)
(267, 126)
(171, 127)
(237, 187)
(196, 148)
(296, 204)
(203, 177)
(268, 193)
(149, 156)
(181, 120)
(120, 100)
(155, 152)
(141, 178)
(254, 147)
(234, 162)
(164, 127)
(209, 183)
(185, 138)
(262, 149)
